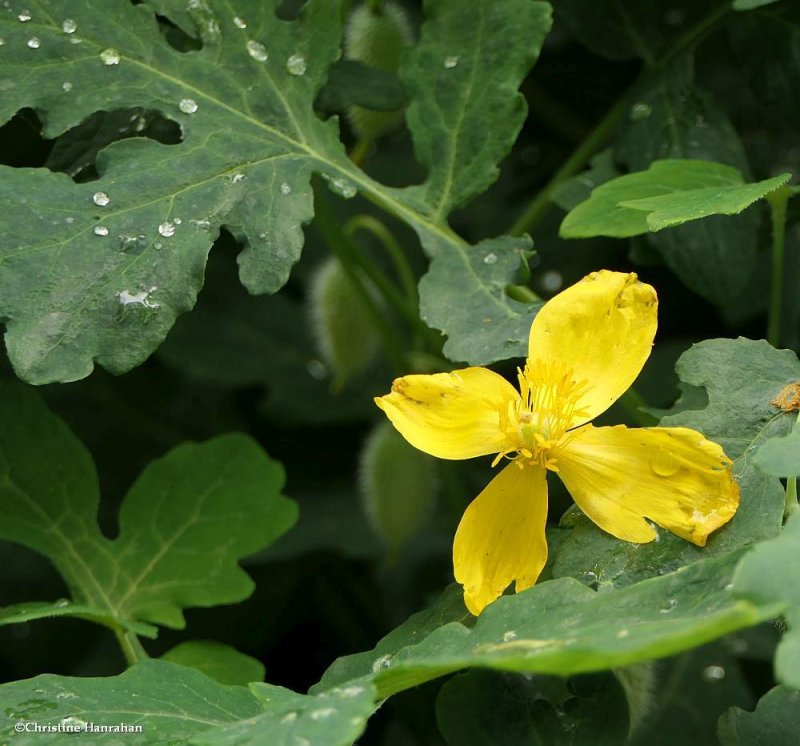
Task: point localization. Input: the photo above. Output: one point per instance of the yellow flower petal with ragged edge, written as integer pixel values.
(599, 333)
(450, 415)
(673, 476)
(501, 537)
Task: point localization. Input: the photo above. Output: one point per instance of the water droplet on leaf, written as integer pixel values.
(66, 86)
(285, 188)
(100, 230)
(296, 65)
(381, 663)
(450, 62)
(188, 105)
(257, 50)
(640, 111)
(25, 16)
(239, 22)
(490, 258)
(110, 56)
(69, 26)
(340, 186)
(166, 229)
(34, 42)
(509, 636)
(323, 712)
(101, 199)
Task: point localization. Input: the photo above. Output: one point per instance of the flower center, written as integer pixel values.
(547, 408)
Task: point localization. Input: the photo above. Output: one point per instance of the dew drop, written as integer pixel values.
(110, 56)
(66, 695)
(69, 220)
(340, 186)
(664, 463)
(203, 225)
(640, 111)
(289, 718)
(622, 634)
(237, 177)
(381, 663)
(509, 636)
(66, 86)
(69, 26)
(142, 298)
(239, 22)
(177, 221)
(25, 16)
(450, 62)
(323, 712)
(34, 42)
(100, 230)
(713, 673)
(76, 40)
(257, 50)
(188, 105)
(166, 229)
(61, 603)
(101, 199)
(285, 188)
(2, 41)
(348, 692)
(490, 258)
(73, 724)
(296, 65)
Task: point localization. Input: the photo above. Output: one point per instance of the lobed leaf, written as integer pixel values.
(774, 722)
(183, 526)
(98, 272)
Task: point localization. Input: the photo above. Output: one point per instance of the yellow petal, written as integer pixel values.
(600, 332)
(450, 415)
(671, 475)
(501, 536)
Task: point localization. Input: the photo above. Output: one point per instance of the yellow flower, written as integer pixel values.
(587, 345)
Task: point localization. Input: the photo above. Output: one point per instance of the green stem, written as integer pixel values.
(541, 203)
(633, 403)
(331, 233)
(389, 242)
(602, 133)
(777, 201)
(791, 505)
(132, 649)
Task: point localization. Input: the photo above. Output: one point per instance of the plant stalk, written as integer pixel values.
(777, 201)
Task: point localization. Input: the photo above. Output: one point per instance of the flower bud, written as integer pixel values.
(398, 486)
(376, 38)
(344, 332)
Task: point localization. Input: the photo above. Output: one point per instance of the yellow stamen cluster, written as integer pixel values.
(539, 420)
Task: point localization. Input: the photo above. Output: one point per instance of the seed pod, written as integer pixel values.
(397, 484)
(345, 335)
(638, 681)
(376, 38)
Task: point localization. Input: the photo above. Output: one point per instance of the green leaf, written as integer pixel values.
(669, 193)
(217, 661)
(740, 378)
(82, 282)
(465, 116)
(750, 4)
(333, 718)
(571, 192)
(561, 627)
(480, 285)
(770, 574)
(28, 612)
(774, 722)
(780, 457)
(487, 708)
(184, 524)
(171, 703)
(689, 694)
